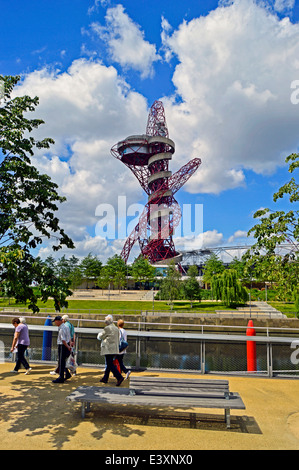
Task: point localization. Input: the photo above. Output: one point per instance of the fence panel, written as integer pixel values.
(172, 351)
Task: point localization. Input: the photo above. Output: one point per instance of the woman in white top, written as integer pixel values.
(120, 356)
(109, 348)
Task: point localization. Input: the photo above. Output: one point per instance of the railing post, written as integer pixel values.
(269, 360)
(138, 348)
(203, 357)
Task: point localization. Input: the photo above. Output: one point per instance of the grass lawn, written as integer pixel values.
(132, 307)
(287, 308)
(127, 307)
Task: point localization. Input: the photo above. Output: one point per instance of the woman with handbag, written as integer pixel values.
(109, 348)
(123, 343)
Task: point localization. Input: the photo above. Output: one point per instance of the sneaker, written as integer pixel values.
(14, 371)
(28, 371)
(128, 374)
(53, 372)
(104, 381)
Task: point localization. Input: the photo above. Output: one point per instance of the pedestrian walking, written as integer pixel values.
(72, 363)
(20, 343)
(120, 355)
(64, 349)
(66, 321)
(110, 348)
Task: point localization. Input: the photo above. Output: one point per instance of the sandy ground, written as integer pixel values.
(35, 415)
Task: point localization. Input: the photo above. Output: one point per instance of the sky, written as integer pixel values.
(227, 73)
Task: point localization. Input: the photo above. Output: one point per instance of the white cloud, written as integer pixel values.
(95, 245)
(86, 110)
(126, 41)
(284, 5)
(236, 235)
(95, 7)
(166, 28)
(233, 75)
(208, 239)
(235, 67)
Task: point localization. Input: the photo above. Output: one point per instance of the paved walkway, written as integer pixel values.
(35, 415)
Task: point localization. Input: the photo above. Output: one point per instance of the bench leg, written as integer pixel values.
(227, 417)
(85, 408)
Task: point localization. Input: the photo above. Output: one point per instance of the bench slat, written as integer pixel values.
(175, 386)
(170, 381)
(113, 395)
(179, 393)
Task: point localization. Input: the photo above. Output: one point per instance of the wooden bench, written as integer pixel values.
(163, 392)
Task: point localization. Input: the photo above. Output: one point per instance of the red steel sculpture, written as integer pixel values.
(148, 157)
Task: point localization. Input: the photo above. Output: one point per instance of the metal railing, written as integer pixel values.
(207, 350)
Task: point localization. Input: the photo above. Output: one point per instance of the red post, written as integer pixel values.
(251, 348)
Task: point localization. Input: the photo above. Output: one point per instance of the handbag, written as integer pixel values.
(122, 344)
(71, 363)
(117, 365)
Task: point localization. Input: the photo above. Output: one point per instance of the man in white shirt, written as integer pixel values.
(64, 349)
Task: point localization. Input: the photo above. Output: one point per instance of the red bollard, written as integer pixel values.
(251, 348)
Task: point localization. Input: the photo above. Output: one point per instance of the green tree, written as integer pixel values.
(296, 298)
(103, 280)
(170, 286)
(142, 270)
(119, 280)
(28, 199)
(240, 267)
(73, 262)
(28, 202)
(91, 267)
(23, 271)
(115, 271)
(63, 267)
(213, 266)
(276, 228)
(192, 289)
(75, 277)
(50, 261)
(227, 288)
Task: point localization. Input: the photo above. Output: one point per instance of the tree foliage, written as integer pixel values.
(28, 199)
(28, 202)
(170, 286)
(113, 273)
(142, 271)
(191, 286)
(91, 267)
(227, 288)
(212, 267)
(274, 229)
